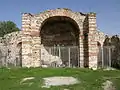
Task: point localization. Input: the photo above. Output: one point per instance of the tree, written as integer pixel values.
(7, 27)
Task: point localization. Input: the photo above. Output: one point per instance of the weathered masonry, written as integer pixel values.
(57, 37)
(62, 28)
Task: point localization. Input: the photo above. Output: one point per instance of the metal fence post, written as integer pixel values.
(109, 57)
(69, 55)
(102, 56)
(59, 51)
(49, 53)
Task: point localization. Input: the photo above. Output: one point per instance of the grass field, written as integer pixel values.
(89, 80)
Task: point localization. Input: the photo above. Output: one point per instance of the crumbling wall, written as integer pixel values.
(9, 49)
(3, 51)
(24, 47)
(113, 42)
(31, 26)
(100, 37)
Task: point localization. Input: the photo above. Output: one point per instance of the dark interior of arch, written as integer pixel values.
(19, 54)
(112, 43)
(59, 30)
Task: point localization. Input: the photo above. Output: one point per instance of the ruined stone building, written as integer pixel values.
(60, 36)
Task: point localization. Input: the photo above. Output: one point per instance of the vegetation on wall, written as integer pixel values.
(7, 27)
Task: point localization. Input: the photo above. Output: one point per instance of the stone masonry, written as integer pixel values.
(31, 39)
(10, 49)
(46, 29)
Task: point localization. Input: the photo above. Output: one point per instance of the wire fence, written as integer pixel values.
(105, 56)
(66, 56)
(60, 55)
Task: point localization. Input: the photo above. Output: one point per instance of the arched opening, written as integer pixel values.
(60, 37)
(59, 30)
(19, 54)
(106, 52)
(111, 52)
(115, 52)
(99, 62)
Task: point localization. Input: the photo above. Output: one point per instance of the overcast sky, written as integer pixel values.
(108, 11)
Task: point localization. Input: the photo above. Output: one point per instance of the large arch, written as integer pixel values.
(60, 39)
(59, 30)
(76, 16)
(32, 39)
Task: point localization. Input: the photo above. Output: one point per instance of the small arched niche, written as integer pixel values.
(19, 54)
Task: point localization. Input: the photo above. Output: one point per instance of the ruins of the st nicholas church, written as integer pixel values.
(58, 37)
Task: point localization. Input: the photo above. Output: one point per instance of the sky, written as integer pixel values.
(108, 11)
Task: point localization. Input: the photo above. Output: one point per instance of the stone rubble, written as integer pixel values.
(108, 85)
(25, 79)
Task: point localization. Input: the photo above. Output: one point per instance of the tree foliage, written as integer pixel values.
(7, 27)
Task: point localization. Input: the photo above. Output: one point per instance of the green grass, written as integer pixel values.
(90, 80)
